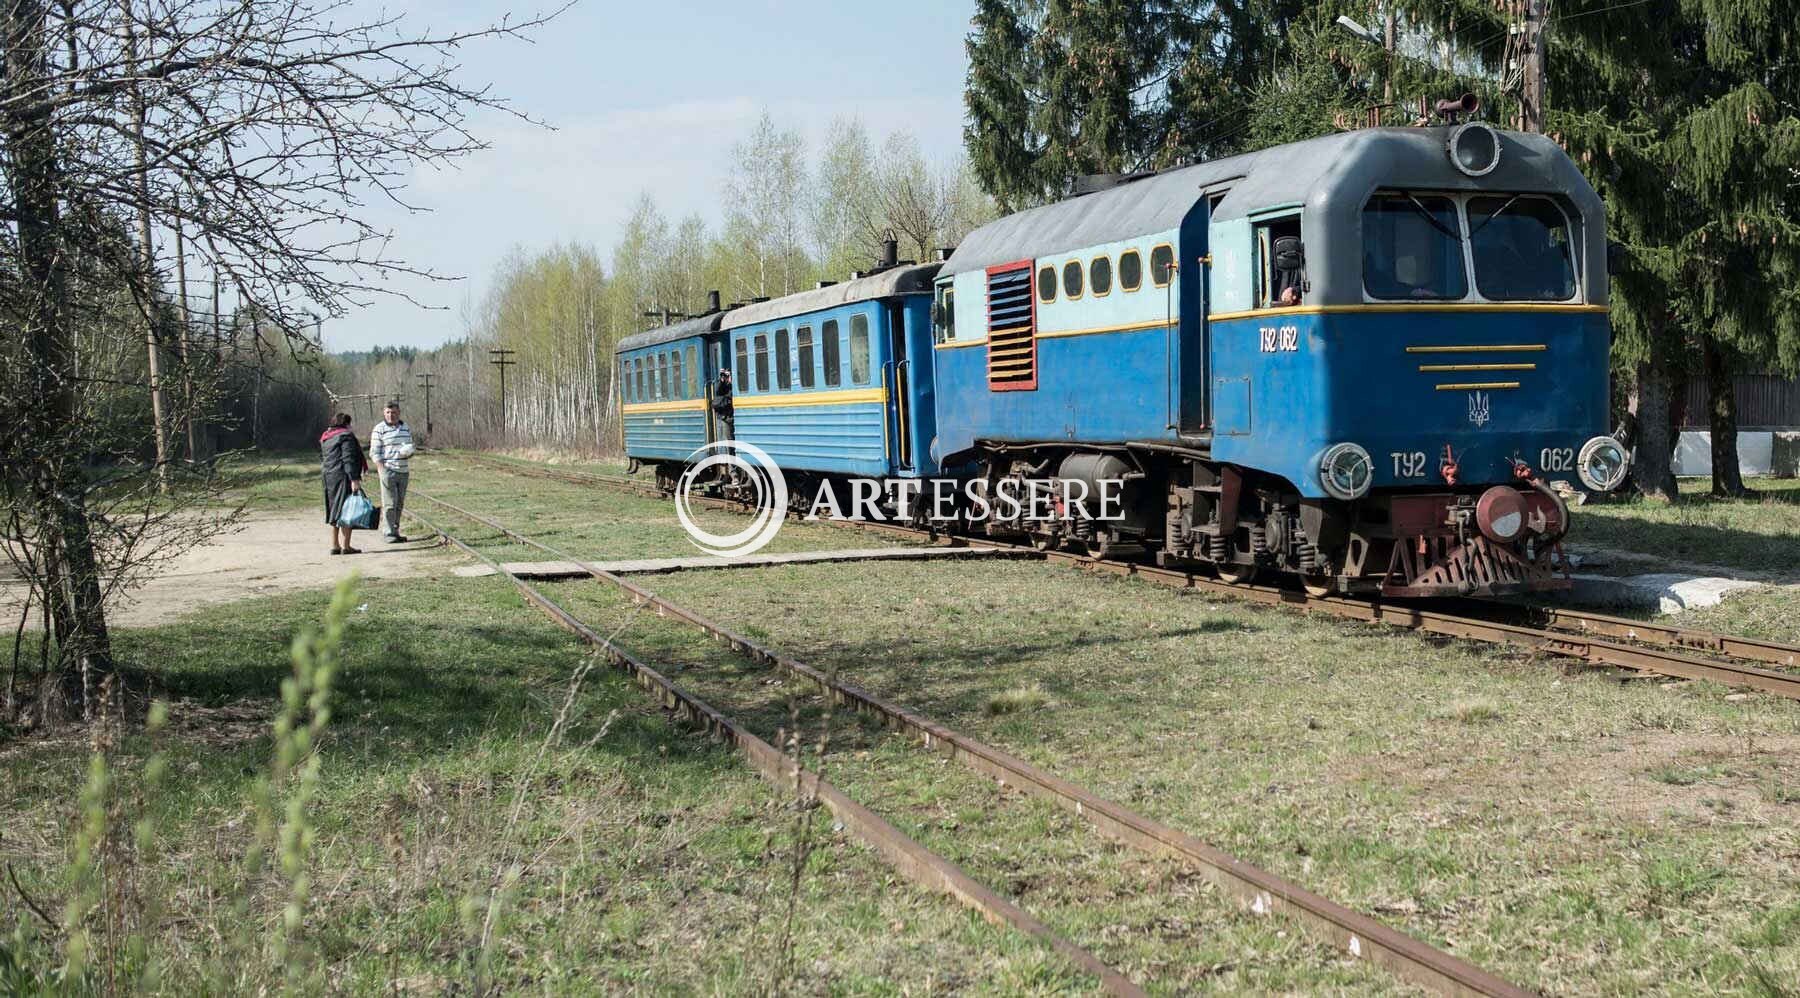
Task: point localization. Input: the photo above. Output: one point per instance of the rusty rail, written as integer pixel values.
(1264, 893)
(1658, 648)
(903, 853)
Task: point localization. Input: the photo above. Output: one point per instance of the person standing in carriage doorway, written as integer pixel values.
(391, 445)
(721, 405)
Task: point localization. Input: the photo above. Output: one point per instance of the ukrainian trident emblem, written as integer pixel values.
(1480, 409)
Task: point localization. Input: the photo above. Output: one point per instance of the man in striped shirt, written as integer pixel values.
(390, 445)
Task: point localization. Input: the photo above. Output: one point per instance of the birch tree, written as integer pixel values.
(266, 128)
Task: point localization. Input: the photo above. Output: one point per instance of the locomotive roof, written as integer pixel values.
(893, 281)
(1343, 166)
(700, 326)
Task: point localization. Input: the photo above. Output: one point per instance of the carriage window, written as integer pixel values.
(806, 356)
(831, 348)
(1412, 248)
(859, 349)
(680, 381)
(1072, 279)
(1522, 249)
(1162, 265)
(743, 366)
(1131, 270)
(1047, 285)
(1100, 276)
(784, 369)
(624, 377)
(944, 316)
(693, 374)
(662, 376)
(637, 366)
(761, 357)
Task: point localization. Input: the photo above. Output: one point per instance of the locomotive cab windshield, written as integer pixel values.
(1423, 247)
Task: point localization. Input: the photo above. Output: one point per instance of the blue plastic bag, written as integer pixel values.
(358, 513)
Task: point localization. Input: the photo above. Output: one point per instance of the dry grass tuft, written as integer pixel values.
(1018, 700)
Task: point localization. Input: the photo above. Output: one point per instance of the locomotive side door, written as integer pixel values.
(1189, 362)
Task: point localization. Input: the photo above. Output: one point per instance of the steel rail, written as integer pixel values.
(1644, 656)
(1264, 893)
(902, 852)
(1662, 661)
(1650, 632)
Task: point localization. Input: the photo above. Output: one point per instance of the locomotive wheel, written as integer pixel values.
(1318, 586)
(1235, 573)
(1043, 541)
(1100, 547)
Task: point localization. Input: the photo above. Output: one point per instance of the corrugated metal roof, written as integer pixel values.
(1297, 173)
(675, 331)
(895, 281)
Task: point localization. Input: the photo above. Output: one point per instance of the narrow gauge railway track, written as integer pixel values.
(912, 860)
(1264, 893)
(1592, 638)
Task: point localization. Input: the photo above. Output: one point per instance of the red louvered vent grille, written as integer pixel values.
(1012, 328)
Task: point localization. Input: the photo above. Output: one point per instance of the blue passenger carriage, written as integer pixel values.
(665, 382)
(837, 381)
(1360, 358)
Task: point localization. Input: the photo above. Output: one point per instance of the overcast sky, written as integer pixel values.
(648, 97)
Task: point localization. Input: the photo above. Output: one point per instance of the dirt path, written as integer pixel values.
(268, 553)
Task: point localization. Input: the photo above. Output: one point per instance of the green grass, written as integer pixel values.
(1478, 799)
(1761, 534)
(591, 521)
(1575, 834)
(652, 858)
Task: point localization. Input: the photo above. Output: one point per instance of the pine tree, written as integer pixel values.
(1002, 145)
(1682, 112)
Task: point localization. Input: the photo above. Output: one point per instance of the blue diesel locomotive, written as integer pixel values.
(1359, 359)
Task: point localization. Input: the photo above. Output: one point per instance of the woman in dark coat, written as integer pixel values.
(342, 467)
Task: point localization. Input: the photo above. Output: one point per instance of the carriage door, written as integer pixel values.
(709, 378)
(900, 380)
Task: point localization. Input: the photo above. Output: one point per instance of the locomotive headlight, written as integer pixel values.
(1602, 464)
(1475, 148)
(1346, 471)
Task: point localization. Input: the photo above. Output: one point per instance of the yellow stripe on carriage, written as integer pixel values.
(849, 396)
(676, 405)
(1451, 306)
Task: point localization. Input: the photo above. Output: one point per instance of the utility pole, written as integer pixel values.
(1387, 89)
(502, 359)
(425, 383)
(1531, 77)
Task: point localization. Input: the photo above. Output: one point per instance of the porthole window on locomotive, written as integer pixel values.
(1047, 285)
(1072, 279)
(1162, 265)
(1131, 270)
(1100, 276)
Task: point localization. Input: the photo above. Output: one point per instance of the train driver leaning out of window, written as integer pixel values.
(1289, 271)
